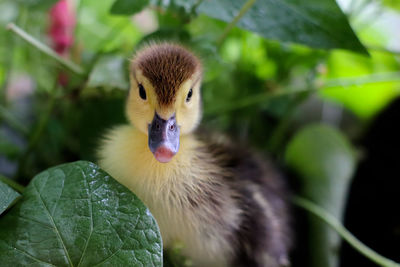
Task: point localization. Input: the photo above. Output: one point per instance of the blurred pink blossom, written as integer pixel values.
(61, 31)
(62, 25)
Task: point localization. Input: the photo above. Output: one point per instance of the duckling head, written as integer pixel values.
(164, 100)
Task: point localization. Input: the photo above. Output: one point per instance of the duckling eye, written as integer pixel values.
(142, 92)
(189, 96)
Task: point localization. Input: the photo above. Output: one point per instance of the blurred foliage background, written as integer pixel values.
(300, 80)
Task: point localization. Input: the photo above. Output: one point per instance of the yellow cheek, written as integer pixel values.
(141, 112)
(138, 114)
(188, 115)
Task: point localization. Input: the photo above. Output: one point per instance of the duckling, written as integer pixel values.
(225, 204)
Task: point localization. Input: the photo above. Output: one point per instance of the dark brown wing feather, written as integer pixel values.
(263, 237)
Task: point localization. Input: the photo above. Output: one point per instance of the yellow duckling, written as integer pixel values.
(224, 204)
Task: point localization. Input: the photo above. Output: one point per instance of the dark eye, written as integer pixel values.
(142, 92)
(189, 96)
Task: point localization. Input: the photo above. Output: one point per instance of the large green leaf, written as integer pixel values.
(128, 7)
(325, 162)
(7, 196)
(317, 23)
(77, 215)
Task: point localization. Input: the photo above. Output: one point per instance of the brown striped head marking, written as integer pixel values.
(166, 66)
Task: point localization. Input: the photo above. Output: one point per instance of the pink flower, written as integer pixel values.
(62, 25)
(61, 31)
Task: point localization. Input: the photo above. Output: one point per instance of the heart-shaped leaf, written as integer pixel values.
(77, 215)
(7, 196)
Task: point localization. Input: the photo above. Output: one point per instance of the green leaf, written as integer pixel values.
(77, 215)
(109, 71)
(128, 7)
(316, 23)
(7, 197)
(325, 162)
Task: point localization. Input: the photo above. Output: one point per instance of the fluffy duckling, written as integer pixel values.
(224, 204)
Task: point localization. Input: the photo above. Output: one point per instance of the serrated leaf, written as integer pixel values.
(325, 163)
(316, 23)
(7, 196)
(128, 7)
(109, 72)
(77, 215)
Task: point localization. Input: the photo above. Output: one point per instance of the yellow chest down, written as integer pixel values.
(189, 205)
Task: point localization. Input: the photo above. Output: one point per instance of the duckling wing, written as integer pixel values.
(263, 237)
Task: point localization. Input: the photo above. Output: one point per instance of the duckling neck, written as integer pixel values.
(135, 166)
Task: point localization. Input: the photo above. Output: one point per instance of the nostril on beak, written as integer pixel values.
(163, 138)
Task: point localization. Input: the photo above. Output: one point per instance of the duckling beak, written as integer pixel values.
(163, 138)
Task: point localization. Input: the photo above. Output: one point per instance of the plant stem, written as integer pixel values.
(14, 185)
(235, 20)
(343, 232)
(255, 99)
(365, 79)
(325, 85)
(45, 49)
(383, 49)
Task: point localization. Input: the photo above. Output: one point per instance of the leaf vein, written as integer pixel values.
(32, 220)
(26, 253)
(54, 224)
(91, 217)
(58, 199)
